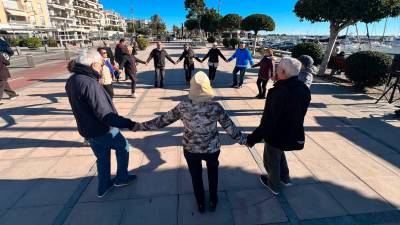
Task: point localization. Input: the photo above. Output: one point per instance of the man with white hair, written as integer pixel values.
(98, 120)
(282, 123)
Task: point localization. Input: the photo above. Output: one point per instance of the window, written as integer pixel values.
(42, 21)
(30, 6)
(39, 6)
(33, 20)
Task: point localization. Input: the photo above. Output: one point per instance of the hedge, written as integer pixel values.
(312, 49)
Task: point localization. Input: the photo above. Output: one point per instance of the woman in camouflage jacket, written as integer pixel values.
(200, 134)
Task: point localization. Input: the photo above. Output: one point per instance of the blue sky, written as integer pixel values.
(173, 12)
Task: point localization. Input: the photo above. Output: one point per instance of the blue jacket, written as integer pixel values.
(243, 58)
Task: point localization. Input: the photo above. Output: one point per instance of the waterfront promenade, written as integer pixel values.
(348, 172)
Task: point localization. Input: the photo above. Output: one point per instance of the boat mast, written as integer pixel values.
(384, 30)
(369, 38)
(358, 38)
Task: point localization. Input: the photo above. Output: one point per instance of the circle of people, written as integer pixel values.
(281, 126)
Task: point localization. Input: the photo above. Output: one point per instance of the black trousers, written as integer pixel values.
(276, 166)
(262, 87)
(195, 168)
(212, 71)
(188, 74)
(159, 76)
(133, 82)
(242, 71)
(109, 89)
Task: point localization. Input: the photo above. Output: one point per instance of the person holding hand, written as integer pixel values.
(188, 64)
(200, 115)
(128, 64)
(213, 54)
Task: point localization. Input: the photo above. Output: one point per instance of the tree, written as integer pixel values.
(157, 25)
(191, 24)
(194, 7)
(256, 23)
(231, 22)
(343, 13)
(175, 29)
(210, 20)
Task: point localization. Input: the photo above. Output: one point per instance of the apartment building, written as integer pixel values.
(25, 17)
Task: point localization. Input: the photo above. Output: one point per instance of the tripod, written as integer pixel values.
(391, 88)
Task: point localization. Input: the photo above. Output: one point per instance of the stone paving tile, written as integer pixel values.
(32, 216)
(151, 211)
(312, 201)
(189, 215)
(357, 197)
(329, 169)
(12, 191)
(257, 206)
(43, 152)
(387, 187)
(72, 167)
(29, 169)
(17, 153)
(48, 192)
(99, 213)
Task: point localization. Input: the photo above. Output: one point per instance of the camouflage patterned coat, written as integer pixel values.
(200, 134)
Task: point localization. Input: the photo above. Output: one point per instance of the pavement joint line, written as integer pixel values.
(288, 210)
(74, 199)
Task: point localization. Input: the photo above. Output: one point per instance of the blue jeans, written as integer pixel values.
(242, 71)
(101, 147)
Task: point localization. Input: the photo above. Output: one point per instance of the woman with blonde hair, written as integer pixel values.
(200, 115)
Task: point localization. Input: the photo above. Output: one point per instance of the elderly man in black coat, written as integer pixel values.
(282, 123)
(4, 75)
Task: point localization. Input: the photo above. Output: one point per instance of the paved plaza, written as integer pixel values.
(348, 172)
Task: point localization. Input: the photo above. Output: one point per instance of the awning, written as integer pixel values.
(16, 12)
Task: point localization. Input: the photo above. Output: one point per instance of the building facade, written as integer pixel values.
(25, 17)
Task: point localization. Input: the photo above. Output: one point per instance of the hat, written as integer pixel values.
(306, 60)
(200, 88)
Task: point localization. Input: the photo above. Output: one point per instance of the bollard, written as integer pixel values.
(45, 48)
(18, 50)
(67, 55)
(29, 59)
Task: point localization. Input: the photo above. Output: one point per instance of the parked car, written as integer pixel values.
(5, 49)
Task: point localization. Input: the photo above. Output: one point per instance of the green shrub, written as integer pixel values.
(14, 42)
(312, 49)
(32, 42)
(226, 42)
(211, 39)
(52, 42)
(142, 43)
(234, 42)
(368, 68)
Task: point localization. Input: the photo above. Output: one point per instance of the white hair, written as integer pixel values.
(89, 57)
(291, 66)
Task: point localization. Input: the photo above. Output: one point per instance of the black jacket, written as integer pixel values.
(92, 106)
(120, 51)
(129, 64)
(282, 123)
(159, 57)
(214, 54)
(188, 56)
(4, 72)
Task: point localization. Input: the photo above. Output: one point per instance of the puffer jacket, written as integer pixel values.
(243, 58)
(200, 132)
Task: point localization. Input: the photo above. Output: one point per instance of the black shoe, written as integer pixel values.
(130, 179)
(201, 208)
(240, 86)
(234, 86)
(213, 205)
(14, 96)
(161, 85)
(265, 181)
(286, 182)
(156, 85)
(258, 96)
(102, 194)
(261, 97)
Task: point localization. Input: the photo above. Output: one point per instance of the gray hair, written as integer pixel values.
(89, 57)
(291, 66)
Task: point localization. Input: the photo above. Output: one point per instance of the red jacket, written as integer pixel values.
(266, 68)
